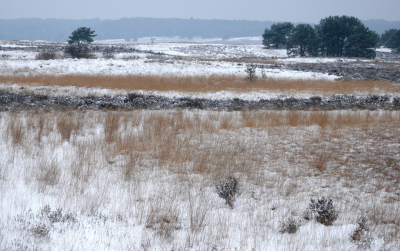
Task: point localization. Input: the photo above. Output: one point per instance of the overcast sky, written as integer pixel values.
(263, 10)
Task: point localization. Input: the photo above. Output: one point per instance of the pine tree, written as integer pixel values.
(81, 35)
(396, 41)
(303, 41)
(388, 38)
(78, 43)
(346, 36)
(277, 35)
(361, 43)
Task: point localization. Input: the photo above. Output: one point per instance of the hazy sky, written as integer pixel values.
(263, 10)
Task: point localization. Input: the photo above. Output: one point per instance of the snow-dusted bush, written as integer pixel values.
(47, 55)
(78, 51)
(40, 231)
(289, 226)
(307, 215)
(323, 210)
(108, 53)
(361, 236)
(251, 72)
(360, 231)
(56, 216)
(228, 190)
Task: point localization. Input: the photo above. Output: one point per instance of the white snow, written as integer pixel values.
(142, 66)
(214, 50)
(384, 49)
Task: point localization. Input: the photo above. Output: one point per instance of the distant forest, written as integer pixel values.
(58, 30)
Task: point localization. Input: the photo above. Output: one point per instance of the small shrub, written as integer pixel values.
(251, 72)
(307, 215)
(359, 232)
(228, 190)
(108, 53)
(45, 211)
(41, 231)
(263, 73)
(56, 216)
(360, 235)
(78, 51)
(47, 55)
(289, 226)
(323, 210)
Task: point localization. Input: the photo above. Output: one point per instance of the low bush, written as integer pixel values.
(47, 55)
(41, 231)
(289, 226)
(360, 231)
(78, 51)
(251, 72)
(323, 210)
(228, 190)
(56, 216)
(307, 215)
(108, 53)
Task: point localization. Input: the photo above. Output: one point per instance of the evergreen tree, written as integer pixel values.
(78, 43)
(361, 43)
(388, 38)
(346, 36)
(277, 35)
(303, 41)
(391, 39)
(396, 43)
(81, 35)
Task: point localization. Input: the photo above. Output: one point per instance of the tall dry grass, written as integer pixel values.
(206, 84)
(197, 143)
(17, 129)
(209, 143)
(68, 124)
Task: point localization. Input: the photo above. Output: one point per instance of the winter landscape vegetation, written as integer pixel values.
(287, 143)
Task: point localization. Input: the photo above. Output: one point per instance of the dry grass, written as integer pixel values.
(175, 138)
(111, 126)
(67, 124)
(16, 130)
(206, 84)
(164, 223)
(49, 173)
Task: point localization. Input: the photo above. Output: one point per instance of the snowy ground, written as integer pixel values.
(146, 180)
(142, 66)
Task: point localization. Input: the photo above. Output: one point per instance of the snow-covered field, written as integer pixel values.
(177, 59)
(146, 179)
(142, 66)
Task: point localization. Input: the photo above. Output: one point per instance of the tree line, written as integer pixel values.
(334, 36)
